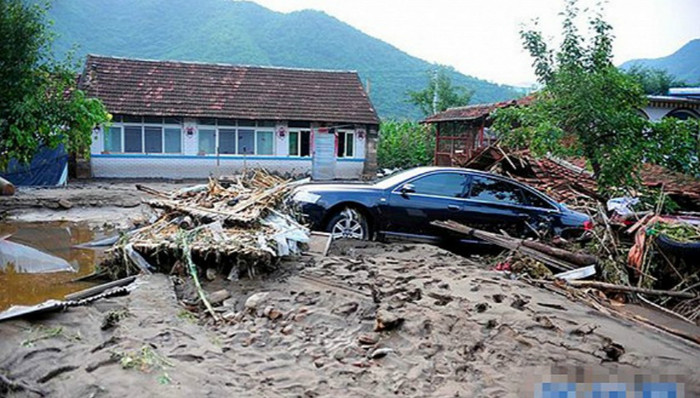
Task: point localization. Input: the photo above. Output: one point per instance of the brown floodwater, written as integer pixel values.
(58, 239)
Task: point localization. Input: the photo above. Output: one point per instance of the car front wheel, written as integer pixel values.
(348, 224)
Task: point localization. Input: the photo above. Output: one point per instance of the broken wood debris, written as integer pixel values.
(559, 259)
(234, 225)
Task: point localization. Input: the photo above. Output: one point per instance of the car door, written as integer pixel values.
(496, 205)
(414, 204)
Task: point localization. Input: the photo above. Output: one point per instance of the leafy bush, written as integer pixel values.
(404, 144)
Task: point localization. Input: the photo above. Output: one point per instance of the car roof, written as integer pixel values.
(427, 169)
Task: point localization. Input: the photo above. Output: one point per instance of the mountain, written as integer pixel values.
(683, 64)
(238, 32)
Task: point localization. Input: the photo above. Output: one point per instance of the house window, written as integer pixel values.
(346, 144)
(133, 139)
(113, 139)
(227, 141)
(264, 142)
(150, 138)
(246, 142)
(173, 139)
(207, 141)
(153, 139)
(299, 143)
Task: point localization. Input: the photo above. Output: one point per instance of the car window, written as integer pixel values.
(536, 200)
(497, 191)
(441, 184)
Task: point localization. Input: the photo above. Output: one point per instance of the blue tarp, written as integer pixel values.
(49, 167)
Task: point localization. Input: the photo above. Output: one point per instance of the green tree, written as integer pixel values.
(588, 107)
(40, 103)
(404, 144)
(439, 94)
(654, 81)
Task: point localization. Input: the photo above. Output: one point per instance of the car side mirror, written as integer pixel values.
(406, 189)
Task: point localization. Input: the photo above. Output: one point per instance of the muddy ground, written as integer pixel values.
(103, 203)
(370, 319)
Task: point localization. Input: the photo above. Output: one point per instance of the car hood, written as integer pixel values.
(336, 188)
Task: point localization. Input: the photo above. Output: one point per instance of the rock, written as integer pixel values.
(346, 308)
(368, 339)
(287, 330)
(275, 314)
(256, 301)
(229, 316)
(65, 204)
(386, 320)
(379, 353)
(481, 307)
(230, 303)
(51, 205)
(218, 296)
(211, 274)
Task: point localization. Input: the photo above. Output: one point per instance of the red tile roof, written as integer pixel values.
(168, 88)
(477, 111)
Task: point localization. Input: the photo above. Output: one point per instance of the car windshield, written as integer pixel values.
(396, 178)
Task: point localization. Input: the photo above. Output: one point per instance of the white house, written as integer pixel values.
(681, 103)
(192, 120)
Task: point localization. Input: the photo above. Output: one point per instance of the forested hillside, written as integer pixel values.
(237, 32)
(684, 64)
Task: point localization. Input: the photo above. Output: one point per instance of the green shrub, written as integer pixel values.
(404, 144)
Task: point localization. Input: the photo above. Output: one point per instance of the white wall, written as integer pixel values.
(178, 167)
(189, 164)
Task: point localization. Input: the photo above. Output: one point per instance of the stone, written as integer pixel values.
(211, 274)
(256, 301)
(274, 314)
(379, 353)
(218, 296)
(65, 204)
(386, 320)
(287, 330)
(368, 339)
(230, 303)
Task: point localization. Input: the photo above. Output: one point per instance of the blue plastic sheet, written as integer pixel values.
(49, 167)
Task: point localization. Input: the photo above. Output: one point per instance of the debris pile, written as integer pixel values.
(233, 225)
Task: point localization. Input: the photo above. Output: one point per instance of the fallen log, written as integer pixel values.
(631, 289)
(6, 188)
(574, 258)
(508, 243)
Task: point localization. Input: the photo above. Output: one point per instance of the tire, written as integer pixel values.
(687, 251)
(348, 224)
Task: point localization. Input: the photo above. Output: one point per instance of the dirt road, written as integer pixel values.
(369, 320)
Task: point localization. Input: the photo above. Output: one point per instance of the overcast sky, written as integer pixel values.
(480, 37)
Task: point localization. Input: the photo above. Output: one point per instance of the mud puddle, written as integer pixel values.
(54, 238)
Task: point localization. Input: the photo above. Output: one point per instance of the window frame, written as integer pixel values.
(259, 130)
(523, 189)
(519, 188)
(299, 131)
(122, 125)
(467, 176)
(470, 177)
(346, 134)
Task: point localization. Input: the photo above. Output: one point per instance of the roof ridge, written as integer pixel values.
(220, 64)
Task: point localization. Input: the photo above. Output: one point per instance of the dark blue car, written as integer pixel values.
(404, 204)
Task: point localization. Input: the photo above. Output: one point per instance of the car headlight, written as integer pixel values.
(306, 197)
